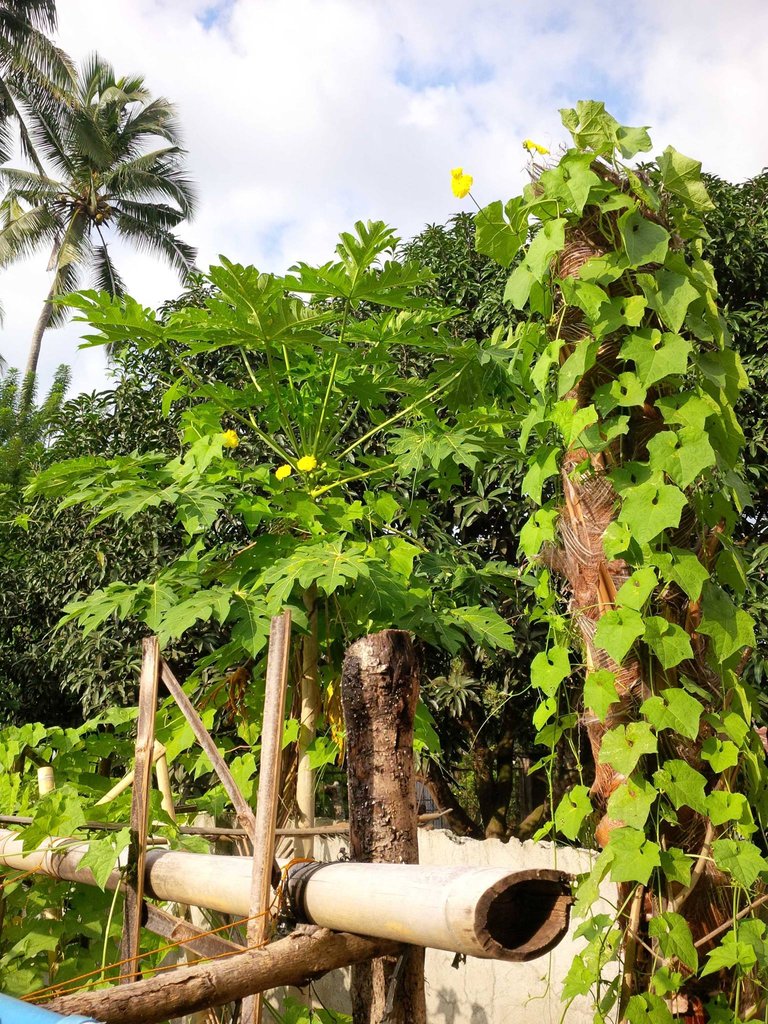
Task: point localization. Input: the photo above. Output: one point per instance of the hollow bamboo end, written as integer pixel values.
(524, 915)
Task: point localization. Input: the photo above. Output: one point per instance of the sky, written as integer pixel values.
(302, 116)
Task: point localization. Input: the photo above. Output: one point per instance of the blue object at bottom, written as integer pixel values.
(13, 1011)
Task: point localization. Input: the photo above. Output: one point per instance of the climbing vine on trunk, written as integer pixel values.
(626, 384)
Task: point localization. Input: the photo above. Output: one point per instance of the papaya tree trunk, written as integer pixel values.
(310, 709)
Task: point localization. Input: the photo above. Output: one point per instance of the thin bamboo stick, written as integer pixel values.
(268, 794)
(145, 736)
(127, 780)
(337, 828)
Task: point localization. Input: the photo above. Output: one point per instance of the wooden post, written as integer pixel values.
(145, 737)
(269, 791)
(185, 989)
(379, 691)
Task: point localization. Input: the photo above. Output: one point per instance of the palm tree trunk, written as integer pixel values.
(40, 328)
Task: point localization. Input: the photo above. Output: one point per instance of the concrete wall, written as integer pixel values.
(484, 991)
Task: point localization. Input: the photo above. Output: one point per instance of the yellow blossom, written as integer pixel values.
(461, 183)
(534, 147)
(284, 471)
(230, 439)
(307, 463)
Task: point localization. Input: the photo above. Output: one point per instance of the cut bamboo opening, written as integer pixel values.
(489, 913)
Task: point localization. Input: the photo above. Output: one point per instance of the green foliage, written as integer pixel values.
(60, 674)
(313, 523)
(626, 380)
(25, 427)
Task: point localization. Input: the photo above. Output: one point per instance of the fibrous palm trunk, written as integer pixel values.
(591, 582)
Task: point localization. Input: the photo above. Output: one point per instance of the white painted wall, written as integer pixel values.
(484, 991)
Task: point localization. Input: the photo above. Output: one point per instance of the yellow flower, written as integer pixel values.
(284, 471)
(534, 147)
(230, 439)
(461, 183)
(307, 463)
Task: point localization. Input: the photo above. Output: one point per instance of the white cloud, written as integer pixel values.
(302, 116)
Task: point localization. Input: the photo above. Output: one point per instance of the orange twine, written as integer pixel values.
(54, 991)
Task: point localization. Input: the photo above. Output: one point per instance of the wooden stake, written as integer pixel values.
(245, 815)
(269, 791)
(194, 938)
(164, 784)
(379, 692)
(145, 736)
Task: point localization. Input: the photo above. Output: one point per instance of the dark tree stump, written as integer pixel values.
(379, 692)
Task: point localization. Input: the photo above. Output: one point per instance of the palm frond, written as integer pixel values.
(158, 118)
(38, 14)
(153, 177)
(90, 141)
(103, 271)
(158, 241)
(22, 235)
(95, 75)
(67, 280)
(49, 131)
(30, 186)
(150, 214)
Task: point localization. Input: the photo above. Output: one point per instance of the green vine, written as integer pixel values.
(626, 385)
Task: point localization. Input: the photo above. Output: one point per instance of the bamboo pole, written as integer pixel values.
(486, 912)
(46, 781)
(197, 986)
(268, 793)
(338, 828)
(137, 850)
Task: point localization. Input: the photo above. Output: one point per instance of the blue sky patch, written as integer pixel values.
(215, 13)
(420, 78)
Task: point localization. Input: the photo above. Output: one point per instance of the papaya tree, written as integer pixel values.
(627, 383)
(294, 485)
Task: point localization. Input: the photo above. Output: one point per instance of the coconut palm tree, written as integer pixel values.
(105, 177)
(29, 61)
